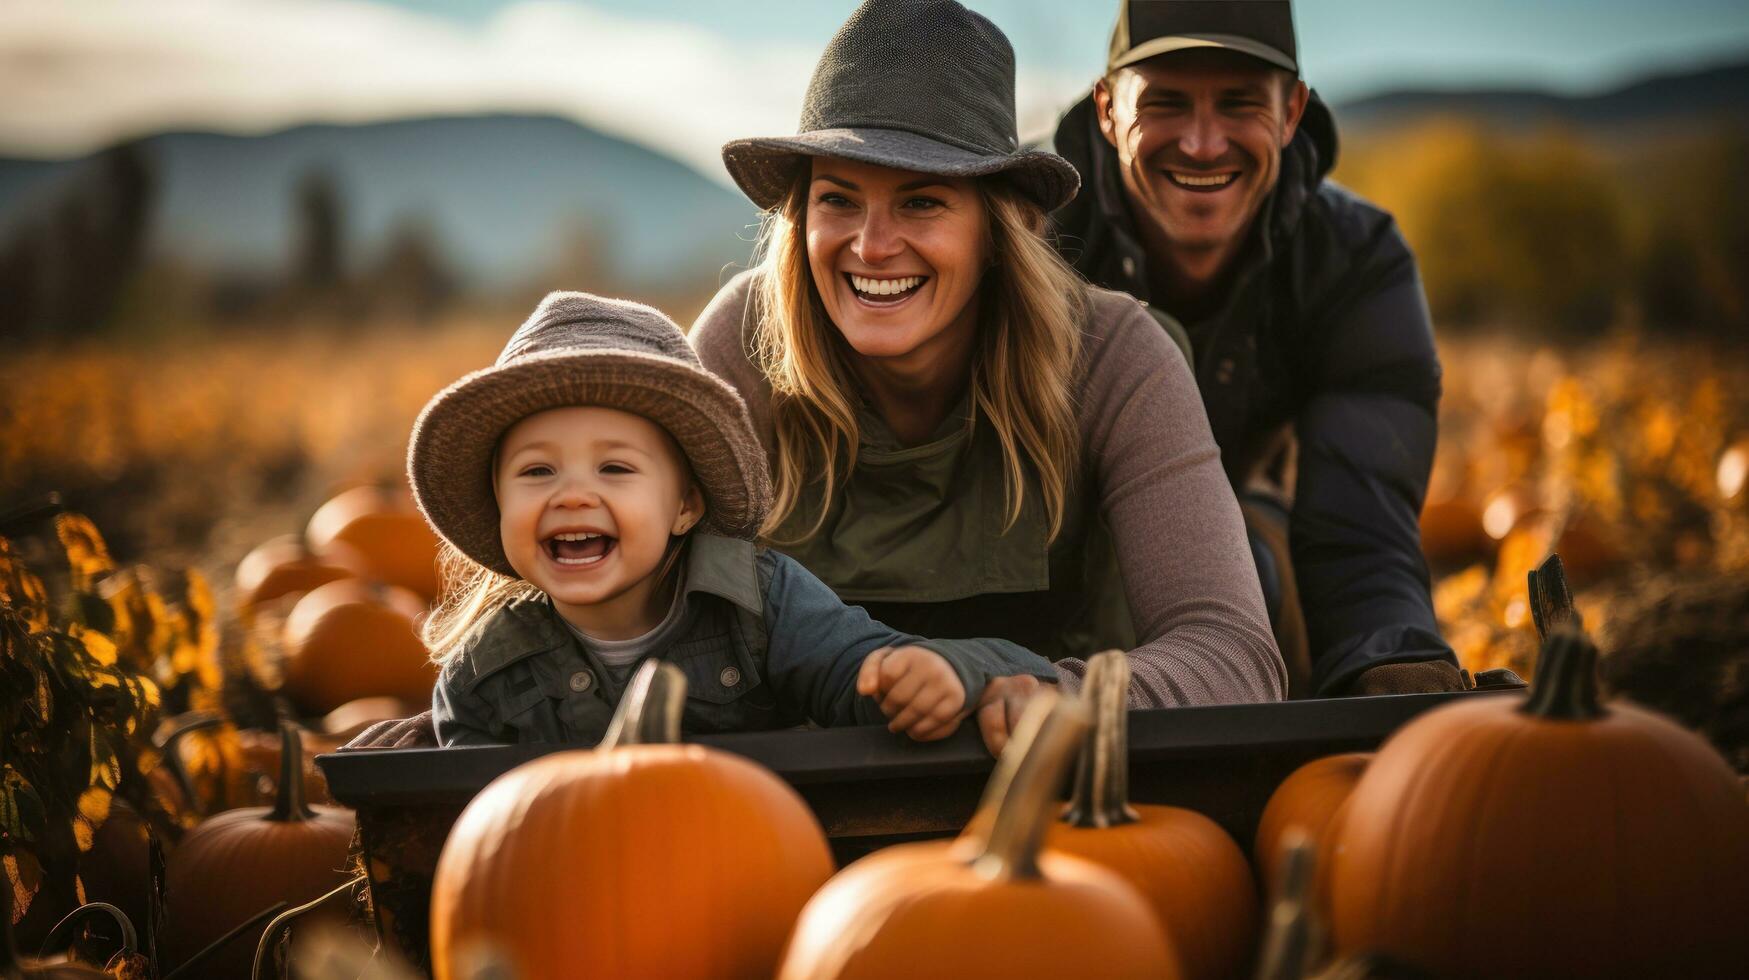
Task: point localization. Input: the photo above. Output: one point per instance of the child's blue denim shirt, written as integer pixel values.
(764, 644)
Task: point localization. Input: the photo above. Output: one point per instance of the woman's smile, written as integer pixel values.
(884, 292)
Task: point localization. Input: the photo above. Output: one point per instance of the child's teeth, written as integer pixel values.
(585, 547)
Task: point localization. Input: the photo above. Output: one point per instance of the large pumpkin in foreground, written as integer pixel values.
(630, 860)
(1548, 836)
(1188, 868)
(989, 904)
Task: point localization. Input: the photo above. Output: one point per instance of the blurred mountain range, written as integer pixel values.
(1700, 96)
(505, 199)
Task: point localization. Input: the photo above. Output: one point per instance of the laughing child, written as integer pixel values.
(597, 492)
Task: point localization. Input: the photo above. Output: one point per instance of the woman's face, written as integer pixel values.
(897, 256)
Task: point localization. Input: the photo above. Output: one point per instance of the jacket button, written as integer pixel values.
(730, 676)
(1129, 266)
(582, 681)
(1224, 371)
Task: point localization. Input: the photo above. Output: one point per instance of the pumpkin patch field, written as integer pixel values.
(210, 573)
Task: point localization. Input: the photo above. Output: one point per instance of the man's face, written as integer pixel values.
(1199, 136)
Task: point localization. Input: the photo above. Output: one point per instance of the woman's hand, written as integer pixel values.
(917, 690)
(1001, 705)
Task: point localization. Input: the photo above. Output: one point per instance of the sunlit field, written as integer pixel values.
(1618, 453)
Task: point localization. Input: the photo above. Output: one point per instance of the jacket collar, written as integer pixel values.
(725, 567)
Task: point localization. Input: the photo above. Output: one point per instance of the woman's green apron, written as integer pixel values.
(918, 536)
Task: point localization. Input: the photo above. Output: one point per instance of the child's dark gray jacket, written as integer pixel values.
(764, 644)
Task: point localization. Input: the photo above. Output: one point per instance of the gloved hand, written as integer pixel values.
(1411, 678)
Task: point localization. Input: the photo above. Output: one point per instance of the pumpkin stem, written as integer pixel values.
(1551, 599)
(1288, 944)
(1102, 776)
(1566, 679)
(649, 712)
(1016, 809)
(289, 805)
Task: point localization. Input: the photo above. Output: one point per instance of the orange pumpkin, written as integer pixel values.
(242, 862)
(387, 534)
(1546, 836)
(1307, 801)
(116, 870)
(989, 904)
(1188, 868)
(353, 717)
(634, 859)
(284, 566)
(1451, 532)
(1295, 937)
(350, 639)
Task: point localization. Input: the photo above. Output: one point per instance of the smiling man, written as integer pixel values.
(1202, 157)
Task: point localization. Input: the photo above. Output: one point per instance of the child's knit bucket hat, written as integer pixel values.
(579, 349)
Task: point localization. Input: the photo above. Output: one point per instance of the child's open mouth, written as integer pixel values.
(580, 547)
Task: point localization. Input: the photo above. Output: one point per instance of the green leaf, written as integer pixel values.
(105, 768)
(21, 810)
(42, 701)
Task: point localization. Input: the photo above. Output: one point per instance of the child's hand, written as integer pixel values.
(917, 690)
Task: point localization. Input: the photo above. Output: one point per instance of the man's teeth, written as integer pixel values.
(1212, 180)
(885, 287)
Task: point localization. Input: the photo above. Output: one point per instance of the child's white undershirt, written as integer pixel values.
(620, 656)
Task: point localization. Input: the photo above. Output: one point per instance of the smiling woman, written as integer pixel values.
(966, 438)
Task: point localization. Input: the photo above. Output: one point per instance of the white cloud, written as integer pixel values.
(79, 75)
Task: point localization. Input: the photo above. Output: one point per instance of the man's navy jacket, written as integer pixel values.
(1323, 327)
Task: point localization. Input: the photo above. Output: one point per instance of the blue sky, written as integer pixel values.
(1350, 47)
(683, 76)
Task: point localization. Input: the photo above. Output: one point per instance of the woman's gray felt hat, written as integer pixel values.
(579, 349)
(923, 85)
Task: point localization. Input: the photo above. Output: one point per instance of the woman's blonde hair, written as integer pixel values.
(1031, 311)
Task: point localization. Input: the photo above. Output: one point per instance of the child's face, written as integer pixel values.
(587, 500)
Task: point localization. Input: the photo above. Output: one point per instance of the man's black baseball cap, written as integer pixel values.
(1263, 29)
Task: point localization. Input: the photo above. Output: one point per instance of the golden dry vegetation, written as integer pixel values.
(195, 452)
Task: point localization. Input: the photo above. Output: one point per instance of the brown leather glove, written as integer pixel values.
(1416, 678)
